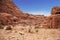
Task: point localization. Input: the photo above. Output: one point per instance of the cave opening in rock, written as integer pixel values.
(15, 20)
(57, 12)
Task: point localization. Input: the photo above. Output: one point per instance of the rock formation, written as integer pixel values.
(55, 17)
(55, 10)
(7, 6)
(10, 14)
(53, 21)
(7, 19)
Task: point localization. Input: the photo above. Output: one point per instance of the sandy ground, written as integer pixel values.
(29, 33)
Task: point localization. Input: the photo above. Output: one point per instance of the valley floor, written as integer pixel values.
(29, 33)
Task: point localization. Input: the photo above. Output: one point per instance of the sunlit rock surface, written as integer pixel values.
(16, 25)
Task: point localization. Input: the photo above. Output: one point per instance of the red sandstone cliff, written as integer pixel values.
(10, 14)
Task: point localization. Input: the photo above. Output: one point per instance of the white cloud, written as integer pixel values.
(40, 13)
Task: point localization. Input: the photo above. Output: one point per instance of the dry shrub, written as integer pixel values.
(1, 27)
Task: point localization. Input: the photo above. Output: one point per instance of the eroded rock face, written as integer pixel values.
(10, 14)
(7, 6)
(55, 10)
(7, 19)
(55, 17)
(53, 21)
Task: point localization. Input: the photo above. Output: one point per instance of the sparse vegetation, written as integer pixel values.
(8, 28)
(36, 30)
(31, 30)
(37, 27)
(1, 27)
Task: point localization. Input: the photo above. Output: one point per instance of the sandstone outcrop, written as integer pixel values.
(7, 19)
(10, 14)
(7, 6)
(53, 21)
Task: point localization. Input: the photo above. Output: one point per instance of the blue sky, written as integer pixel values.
(37, 7)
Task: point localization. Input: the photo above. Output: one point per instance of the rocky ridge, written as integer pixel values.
(10, 14)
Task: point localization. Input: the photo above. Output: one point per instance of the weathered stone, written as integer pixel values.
(7, 6)
(53, 21)
(7, 19)
(55, 10)
(10, 14)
